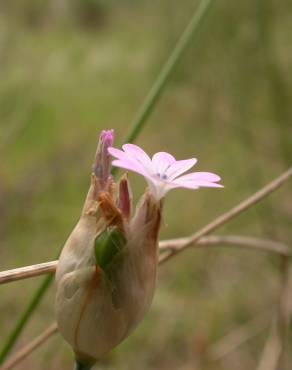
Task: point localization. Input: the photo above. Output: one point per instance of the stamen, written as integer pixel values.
(161, 176)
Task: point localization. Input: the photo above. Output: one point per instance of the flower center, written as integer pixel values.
(161, 176)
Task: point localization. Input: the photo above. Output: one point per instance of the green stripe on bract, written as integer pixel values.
(107, 245)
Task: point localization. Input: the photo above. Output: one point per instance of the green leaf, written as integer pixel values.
(107, 245)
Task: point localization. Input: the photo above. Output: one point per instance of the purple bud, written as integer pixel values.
(101, 167)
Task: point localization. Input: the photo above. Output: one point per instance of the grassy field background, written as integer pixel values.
(71, 69)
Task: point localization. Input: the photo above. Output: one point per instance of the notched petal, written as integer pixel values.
(179, 167)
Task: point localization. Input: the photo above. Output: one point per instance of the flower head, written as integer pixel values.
(162, 172)
(106, 274)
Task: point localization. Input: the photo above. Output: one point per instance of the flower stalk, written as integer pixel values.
(82, 366)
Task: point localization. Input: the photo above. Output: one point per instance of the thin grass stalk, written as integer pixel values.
(229, 215)
(22, 321)
(26, 350)
(274, 354)
(138, 124)
(165, 246)
(26, 272)
(189, 34)
(238, 336)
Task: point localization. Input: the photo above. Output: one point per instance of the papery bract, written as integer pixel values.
(102, 294)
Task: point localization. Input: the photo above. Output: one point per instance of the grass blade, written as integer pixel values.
(22, 321)
(189, 34)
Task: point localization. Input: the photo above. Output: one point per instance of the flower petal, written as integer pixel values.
(161, 161)
(192, 183)
(117, 153)
(128, 165)
(179, 167)
(201, 176)
(127, 161)
(163, 157)
(158, 188)
(136, 152)
(206, 184)
(199, 184)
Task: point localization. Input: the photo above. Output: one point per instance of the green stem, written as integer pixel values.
(81, 366)
(22, 321)
(190, 32)
(138, 124)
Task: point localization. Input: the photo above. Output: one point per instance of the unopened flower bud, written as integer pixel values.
(101, 167)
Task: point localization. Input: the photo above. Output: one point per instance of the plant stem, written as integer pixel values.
(81, 366)
(229, 215)
(28, 348)
(33, 304)
(164, 75)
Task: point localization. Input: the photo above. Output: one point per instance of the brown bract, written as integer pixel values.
(95, 309)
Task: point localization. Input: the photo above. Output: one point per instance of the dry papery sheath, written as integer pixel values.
(106, 274)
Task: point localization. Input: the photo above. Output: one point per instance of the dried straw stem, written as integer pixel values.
(229, 215)
(30, 347)
(27, 272)
(264, 245)
(273, 356)
(238, 336)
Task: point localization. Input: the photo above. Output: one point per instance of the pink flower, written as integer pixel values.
(162, 172)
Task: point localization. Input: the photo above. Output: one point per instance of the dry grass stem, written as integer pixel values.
(30, 347)
(233, 212)
(272, 350)
(248, 242)
(238, 336)
(273, 356)
(27, 272)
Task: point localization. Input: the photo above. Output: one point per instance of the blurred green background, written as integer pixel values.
(69, 69)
